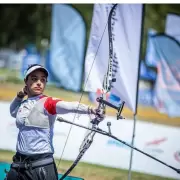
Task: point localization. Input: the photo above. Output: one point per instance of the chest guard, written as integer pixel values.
(38, 116)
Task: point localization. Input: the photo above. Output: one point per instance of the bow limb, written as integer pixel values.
(83, 148)
(108, 78)
(107, 84)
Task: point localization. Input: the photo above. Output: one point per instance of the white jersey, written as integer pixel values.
(35, 119)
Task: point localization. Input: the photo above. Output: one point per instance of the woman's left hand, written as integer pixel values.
(99, 113)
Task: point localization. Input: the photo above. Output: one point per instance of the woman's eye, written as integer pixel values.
(34, 79)
(43, 80)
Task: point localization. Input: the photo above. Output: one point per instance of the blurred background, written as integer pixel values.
(36, 33)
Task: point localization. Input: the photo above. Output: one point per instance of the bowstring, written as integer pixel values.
(82, 95)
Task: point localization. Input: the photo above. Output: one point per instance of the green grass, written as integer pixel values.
(90, 171)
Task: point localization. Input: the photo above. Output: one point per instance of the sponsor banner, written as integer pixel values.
(167, 85)
(151, 58)
(32, 57)
(145, 96)
(125, 29)
(67, 47)
(146, 73)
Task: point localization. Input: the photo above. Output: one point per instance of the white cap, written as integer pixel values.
(35, 67)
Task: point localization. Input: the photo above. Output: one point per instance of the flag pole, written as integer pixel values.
(132, 144)
(137, 90)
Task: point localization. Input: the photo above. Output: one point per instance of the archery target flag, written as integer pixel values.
(126, 22)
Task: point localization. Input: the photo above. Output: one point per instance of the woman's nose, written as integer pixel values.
(39, 82)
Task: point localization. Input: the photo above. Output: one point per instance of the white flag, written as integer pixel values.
(173, 26)
(126, 30)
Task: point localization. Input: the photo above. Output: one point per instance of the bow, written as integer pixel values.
(91, 131)
(107, 85)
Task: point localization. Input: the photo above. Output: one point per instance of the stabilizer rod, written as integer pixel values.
(100, 131)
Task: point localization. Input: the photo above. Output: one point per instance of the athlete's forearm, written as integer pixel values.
(63, 107)
(14, 106)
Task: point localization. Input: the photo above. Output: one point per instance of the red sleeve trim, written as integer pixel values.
(50, 105)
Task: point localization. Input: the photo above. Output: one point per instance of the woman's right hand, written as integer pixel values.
(21, 94)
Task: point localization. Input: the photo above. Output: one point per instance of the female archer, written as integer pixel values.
(35, 119)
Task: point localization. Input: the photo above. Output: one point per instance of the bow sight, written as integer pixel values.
(118, 108)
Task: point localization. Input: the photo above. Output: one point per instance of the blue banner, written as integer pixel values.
(67, 47)
(51, 78)
(150, 57)
(145, 97)
(32, 57)
(167, 86)
(147, 73)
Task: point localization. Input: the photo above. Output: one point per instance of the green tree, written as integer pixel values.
(30, 23)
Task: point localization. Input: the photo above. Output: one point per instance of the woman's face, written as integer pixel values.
(36, 83)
